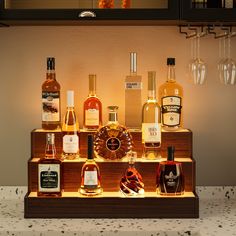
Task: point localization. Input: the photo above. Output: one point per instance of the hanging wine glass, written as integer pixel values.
(222, 56)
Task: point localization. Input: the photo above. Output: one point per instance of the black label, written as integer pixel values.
(50, 95)
(113, 144)
(49, 179)
(171, 108)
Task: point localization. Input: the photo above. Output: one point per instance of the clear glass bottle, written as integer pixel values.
(151, 121)
(51, 106)
(92, 107)
(90, 174)
(131, 183)
(70, 130)
(112, 141)
(171, 99)
(170, 177)
(133, 96)
(49, 170)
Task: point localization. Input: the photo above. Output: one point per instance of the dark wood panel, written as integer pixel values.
(181, 140)
(112, 207)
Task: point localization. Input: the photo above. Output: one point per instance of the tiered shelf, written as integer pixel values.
(112, 204)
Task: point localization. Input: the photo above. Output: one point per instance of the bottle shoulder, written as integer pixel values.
(51, 85)
(170, 88)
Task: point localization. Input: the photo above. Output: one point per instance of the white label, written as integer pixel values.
(49, 178)
(229, 4)
(90, 178)
(71, 143)
(151, 132)
(50, 106)
(171, 101)
(92, 117)
(133, 85)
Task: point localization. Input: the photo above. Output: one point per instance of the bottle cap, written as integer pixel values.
(92, 82)
(113, 113)
(152, 80)
(132, 157)
(170, 61)
(50, 63)
(70, 98)
(50, 138)
(133, 62)
(90, 146)
(171, 153)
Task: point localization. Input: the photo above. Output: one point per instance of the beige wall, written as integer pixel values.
(209, 110)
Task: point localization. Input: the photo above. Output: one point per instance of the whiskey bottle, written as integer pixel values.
(112, 141)
(49, 170)
(171, 96)
(151, 121)
(199, 3)
(170, 178)
(131, 183)
(90, 174)
(70, 130)
(133, 98)
(51, 110)
(92, 107)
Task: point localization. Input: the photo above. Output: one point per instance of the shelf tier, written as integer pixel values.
(112, 173)
(112, 205)
(182, 140)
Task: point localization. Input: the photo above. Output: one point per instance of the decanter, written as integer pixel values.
(112, 141)
(131, 183)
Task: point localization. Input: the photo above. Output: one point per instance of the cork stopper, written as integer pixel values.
(50, 63)
(50, 138)
(152, 80)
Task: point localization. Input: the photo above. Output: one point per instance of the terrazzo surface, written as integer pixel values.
(217, 217)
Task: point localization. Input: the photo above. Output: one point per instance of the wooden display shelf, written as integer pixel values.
(112, 205)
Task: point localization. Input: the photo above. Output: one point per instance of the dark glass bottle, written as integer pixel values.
(49, 170)
(51, 110)
(90, 174)
(170, 178)
(214, 4)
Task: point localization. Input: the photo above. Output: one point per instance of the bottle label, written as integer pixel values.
(133, 85)
(113, 144)
(49, 177)
(171, 179)
(92, 117)
(171, 110)
(70, 143)
(90, 179)
(50, 106)
(151, 132)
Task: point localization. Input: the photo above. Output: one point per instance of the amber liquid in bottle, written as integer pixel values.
(70, 130)
(106, 3)
(51, 110)
(171, 98)
(170, 178)
(92, 107)
(90, 174)
(49, 170)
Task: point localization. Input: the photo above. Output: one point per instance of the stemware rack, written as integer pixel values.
(111, 203)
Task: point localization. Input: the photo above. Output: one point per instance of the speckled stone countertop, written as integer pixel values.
(217, 217)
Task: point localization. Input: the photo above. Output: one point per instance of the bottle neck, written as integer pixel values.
(51, 74)
(92, 93)
(171, 73)
(70, 108)
(151, 94)
(50, 151)
(113, 117)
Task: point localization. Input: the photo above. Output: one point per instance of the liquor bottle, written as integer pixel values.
(49, 170)
(199, 3)
(126, 3)
(106, 3)
(90, 174)
(151, 121)
(170, 97)
(131, 183)
(228, 3)
(51, 110)
(70, 130)
(112, 141)
(170, 178)
(133, 97)
(214, 3)
(92, 107)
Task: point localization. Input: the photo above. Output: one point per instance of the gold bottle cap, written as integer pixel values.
(152, 80)
(92, 83)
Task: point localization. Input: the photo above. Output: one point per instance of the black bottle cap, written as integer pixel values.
(171, 153)
(170, 61)
(90, 146)
(51, 63)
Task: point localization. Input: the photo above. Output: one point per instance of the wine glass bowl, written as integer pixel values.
(229, 72)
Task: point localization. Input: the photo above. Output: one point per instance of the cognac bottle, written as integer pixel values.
(170, 178)
(90, 174)
(92, 107)
(133, 98)
(51, 110)
(151, 122)
(70, 130)
(112, 141)
(171, 98)
(131, 183)
(49, 170)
